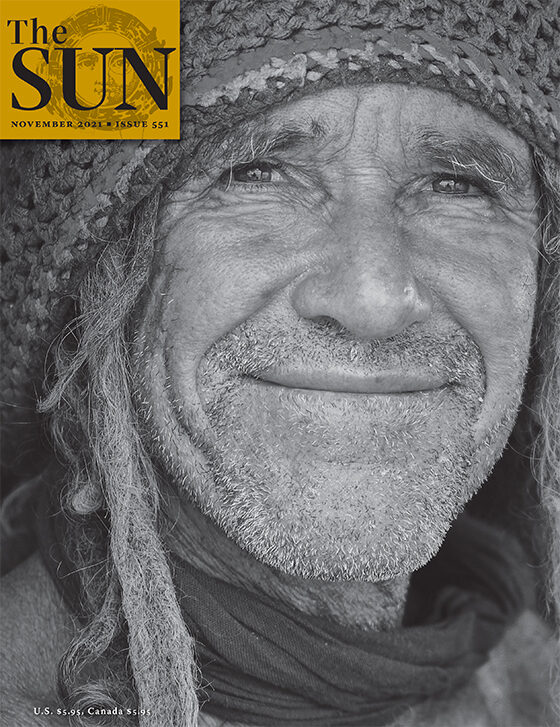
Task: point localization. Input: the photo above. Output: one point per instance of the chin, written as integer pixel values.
(340, 524)
(387, 556)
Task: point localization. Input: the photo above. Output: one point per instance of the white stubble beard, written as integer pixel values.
(351, 488)
(360, 488)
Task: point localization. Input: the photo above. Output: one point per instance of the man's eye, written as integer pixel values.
(251, 173)
(452, 185)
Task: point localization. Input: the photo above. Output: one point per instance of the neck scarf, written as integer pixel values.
(265, 663)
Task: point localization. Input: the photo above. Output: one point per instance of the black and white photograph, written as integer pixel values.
(280, 394)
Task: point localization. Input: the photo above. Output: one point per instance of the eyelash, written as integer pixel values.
(227, 181)
(481, 185)
(454, 179)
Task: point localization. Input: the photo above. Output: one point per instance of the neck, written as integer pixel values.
(194, 538)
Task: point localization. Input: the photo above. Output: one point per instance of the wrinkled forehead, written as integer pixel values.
(387, 107)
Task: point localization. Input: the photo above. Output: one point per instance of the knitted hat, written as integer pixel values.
(65, 201)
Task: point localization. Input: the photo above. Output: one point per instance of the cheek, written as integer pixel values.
(491, 294)
(486, 278)
(216, 273)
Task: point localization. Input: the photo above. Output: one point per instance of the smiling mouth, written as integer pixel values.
(334, 381)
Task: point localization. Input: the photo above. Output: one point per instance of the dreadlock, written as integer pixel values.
(126, 579)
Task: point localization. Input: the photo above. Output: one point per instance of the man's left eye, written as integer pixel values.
(452, 185)
(254, 172)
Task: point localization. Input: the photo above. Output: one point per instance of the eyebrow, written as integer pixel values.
(252, 139)
(483, 157)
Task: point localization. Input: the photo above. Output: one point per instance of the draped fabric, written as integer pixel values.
(265, 663)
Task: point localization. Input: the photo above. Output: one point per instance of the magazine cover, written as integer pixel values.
(280, 382)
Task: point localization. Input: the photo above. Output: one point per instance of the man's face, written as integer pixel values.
(332, 349)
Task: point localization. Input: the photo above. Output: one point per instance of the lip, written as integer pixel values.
(384, 382)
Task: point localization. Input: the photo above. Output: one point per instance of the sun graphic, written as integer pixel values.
(98, 36)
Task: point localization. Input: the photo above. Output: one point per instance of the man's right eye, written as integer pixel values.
(254, 172)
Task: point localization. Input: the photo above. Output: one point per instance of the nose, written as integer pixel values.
(366, 286)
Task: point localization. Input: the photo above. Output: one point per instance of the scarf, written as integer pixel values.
(265, 663)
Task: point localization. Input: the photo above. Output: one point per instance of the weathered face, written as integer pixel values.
(332, 350)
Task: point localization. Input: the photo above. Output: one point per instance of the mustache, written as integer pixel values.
(261, 344)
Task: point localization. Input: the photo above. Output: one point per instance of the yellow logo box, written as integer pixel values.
(78, 70)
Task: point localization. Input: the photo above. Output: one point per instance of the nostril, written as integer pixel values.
(323, 320)
(328, 324)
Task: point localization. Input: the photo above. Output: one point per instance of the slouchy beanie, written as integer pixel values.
(64, 201)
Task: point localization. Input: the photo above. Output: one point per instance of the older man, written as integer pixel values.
(301, 342)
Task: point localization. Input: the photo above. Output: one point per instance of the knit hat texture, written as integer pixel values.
(65, 201)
